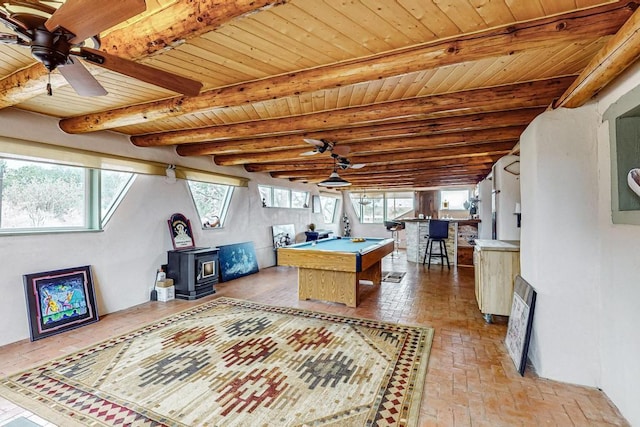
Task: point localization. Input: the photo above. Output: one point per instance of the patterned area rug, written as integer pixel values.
(393, 276)
(236, 363)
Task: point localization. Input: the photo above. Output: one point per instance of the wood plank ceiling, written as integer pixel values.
(426, 93)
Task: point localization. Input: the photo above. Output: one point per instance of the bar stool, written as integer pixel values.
(394, 227)
(438, 232)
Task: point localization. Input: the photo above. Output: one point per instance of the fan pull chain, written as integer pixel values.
(49, 90)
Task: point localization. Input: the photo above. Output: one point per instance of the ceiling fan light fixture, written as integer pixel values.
(334, 180)
(364, 200)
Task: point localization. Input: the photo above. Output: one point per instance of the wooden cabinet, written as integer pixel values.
(467, 234)
(465, 256)
(496, 262)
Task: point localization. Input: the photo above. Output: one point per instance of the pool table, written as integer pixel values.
(331, 269)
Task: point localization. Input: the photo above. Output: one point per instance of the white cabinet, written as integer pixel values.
(496, 262)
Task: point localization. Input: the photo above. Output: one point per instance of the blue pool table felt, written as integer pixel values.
(339, 245)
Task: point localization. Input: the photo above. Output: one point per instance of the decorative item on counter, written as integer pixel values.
(445, 204)
(472, 206)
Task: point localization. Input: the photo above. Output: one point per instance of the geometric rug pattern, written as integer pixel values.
(231, 362)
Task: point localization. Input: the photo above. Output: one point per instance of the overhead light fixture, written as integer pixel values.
(334, 180)
(364, 200)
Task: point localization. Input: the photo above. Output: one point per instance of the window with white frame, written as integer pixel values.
(276, 197)
(281, 198)
(329, 208)
(266, 194)
(212, 202)
(299, 199)
(37, 196)
(398, 204)
(380, 207)
(453, 199)
(113, 187)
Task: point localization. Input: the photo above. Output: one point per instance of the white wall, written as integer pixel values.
(507, 186)
(559, 243)
(125, 256)
(584, 267)
(484, 208)
(620, 269)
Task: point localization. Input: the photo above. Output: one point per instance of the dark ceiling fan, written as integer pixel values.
(57, 39)
(338, 152)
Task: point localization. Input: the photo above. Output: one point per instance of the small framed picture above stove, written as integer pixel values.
(181, 233)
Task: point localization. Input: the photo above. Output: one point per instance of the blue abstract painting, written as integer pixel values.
(237, 260)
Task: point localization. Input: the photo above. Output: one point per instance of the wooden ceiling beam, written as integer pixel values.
(413, 183)
(359, 173)
(619, 53)
(436, 143)
(322, 164)
(167, 28)
(438, 154)
(417, 182)
(373, 172)
(392, 177)
(447, 172)
(406, 128)
(390, 145)
(458, 151)
(507, 40)
(539, 93)
(409, 183)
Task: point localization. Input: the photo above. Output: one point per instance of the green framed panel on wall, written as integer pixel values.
(624, 132)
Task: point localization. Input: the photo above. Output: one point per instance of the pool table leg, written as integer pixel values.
(327, 285)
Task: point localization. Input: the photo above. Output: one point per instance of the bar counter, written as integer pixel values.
(459, 244)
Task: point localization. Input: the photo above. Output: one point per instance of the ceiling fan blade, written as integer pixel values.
(32, 5)
(357, 166)
(80, 79)
(316, 142)
(309, 153)
(142, 72)
(85, 18)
